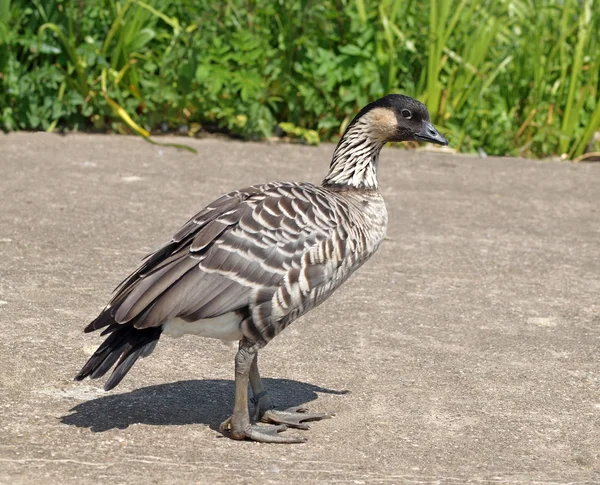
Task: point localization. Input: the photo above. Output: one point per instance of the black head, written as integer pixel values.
(396, 117)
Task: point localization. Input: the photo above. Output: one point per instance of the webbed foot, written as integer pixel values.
(294, 417)
(262, 434)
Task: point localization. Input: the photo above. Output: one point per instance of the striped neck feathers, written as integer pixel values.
(356, 156)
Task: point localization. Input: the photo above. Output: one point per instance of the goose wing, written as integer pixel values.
(260, 251)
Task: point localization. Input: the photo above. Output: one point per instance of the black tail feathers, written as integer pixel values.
(125, 344)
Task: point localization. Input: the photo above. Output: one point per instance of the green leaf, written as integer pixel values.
(141, 39)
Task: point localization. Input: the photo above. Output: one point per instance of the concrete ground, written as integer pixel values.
(466, 351)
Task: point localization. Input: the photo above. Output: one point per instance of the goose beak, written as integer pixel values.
(431, 135)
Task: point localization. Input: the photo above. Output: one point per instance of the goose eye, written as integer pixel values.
(406, 114)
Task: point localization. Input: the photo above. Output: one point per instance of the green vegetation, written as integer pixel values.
(509, 76)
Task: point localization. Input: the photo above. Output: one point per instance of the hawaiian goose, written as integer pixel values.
(255, 260)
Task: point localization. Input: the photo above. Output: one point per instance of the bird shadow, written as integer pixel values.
(186, 402)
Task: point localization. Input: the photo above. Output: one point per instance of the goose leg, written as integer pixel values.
(295, 417)
(238, 424)
(260, 398)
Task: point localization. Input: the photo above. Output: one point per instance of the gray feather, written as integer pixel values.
(277, 242)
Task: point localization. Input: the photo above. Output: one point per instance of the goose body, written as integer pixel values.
(256, 259)
(263, 264)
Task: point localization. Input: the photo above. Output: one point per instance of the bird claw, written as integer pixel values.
(294, 417)
(225, 426)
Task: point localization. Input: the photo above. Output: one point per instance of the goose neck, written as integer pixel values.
(355, 160)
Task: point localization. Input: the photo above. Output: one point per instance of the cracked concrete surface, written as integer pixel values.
(466, 351)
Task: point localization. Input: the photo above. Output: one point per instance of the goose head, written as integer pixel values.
(396, 118)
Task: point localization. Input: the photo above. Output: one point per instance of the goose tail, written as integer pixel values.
(124, 346)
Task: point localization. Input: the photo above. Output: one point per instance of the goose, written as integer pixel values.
(254, 260)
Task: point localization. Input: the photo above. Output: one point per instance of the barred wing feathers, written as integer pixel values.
(270, 252)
